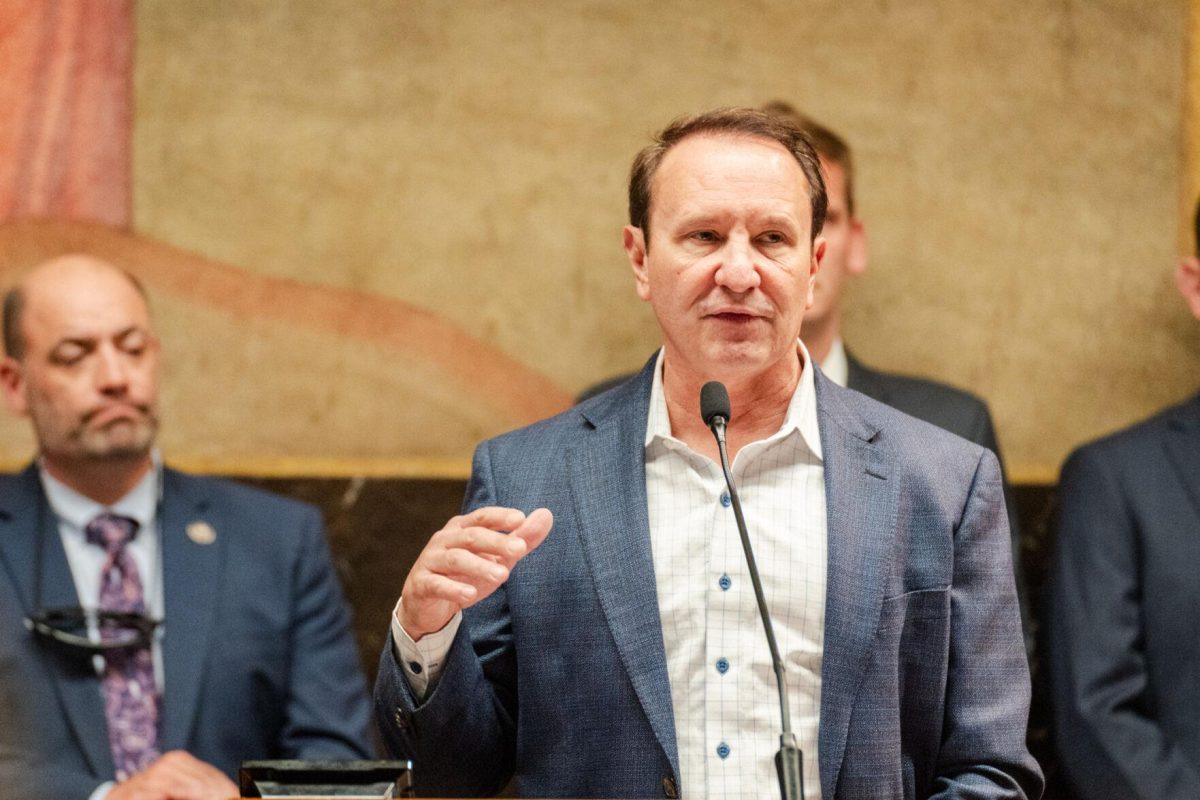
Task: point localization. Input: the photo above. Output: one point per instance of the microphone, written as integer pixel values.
(716, 413)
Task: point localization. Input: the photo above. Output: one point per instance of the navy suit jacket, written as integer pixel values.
(1124, 640)
(257, 650)
(560, 676)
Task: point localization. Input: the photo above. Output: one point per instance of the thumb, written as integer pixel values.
(534, 529)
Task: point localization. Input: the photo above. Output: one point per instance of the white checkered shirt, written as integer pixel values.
(722, 685)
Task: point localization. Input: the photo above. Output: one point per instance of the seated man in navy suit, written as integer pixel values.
(620, 654)
(206, 624)
(1125, 591)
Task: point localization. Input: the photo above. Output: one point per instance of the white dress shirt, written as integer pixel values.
(723, 688)
(836, 366)
(722, 684)
(86, 561)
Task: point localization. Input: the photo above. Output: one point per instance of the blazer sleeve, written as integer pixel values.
(984, 433)
(328, 711)
(1108, 739)
(461, 737)
(983, 752)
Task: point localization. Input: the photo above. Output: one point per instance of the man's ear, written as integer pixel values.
(814, 266)
(12, 384)
(856, 257)
(1187, 279)
(634, 240)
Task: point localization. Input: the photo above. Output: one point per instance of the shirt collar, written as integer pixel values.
(836, 366)
(801, 413)
(139, 504)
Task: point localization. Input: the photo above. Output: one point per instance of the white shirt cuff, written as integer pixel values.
(101, 791)
(421, 661)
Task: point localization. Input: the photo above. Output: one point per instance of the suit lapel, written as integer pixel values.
(191, 578)
(861, 513)
(1182, 440)
(24, 516)
(608, 485)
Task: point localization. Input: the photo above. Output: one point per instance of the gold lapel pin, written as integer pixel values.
(201, 532)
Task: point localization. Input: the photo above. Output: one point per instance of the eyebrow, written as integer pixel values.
(87, 340)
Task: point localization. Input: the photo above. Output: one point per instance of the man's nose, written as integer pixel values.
(112, 371)
(737, 271)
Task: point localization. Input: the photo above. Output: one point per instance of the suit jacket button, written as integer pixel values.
(669, 788)
(401, 721)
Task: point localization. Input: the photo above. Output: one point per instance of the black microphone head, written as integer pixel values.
(714, 402)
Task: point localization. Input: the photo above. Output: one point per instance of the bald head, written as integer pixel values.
(45, 281)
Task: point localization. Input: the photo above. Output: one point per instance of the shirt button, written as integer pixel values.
(724, 582)
(669, 788)
(722, 665)
(725, 501)
(723, 750)
(415, 667)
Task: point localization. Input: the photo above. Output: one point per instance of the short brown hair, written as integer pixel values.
(727, 121)
(14, 304)
(829, 145)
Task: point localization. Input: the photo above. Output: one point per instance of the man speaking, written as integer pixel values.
(620, 654)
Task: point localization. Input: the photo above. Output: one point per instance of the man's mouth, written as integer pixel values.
(119, 412)
(733, 315)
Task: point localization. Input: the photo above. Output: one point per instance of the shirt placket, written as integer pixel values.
(727, 650)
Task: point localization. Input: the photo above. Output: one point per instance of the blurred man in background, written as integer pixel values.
(1125, 594)
(156, 629)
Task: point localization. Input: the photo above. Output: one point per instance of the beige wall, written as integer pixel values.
(1019, 171)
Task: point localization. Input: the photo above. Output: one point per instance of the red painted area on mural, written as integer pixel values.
(66, 86)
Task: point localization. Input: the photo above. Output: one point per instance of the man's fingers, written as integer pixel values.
(483, 541)
(476, 569)
(494, 517)
(432, 586)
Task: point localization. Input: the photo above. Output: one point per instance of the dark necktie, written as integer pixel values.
(130, 695)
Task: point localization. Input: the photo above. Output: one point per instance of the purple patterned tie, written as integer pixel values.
(130, 695)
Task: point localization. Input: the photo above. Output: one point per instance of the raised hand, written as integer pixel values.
(465, 562)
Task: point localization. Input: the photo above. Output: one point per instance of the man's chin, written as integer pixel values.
(118, 443)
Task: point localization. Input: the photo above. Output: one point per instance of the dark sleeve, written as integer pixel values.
(983, 752)
(461, 737)
(1109, 741)
(328, 711)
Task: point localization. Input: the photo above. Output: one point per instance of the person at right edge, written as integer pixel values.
(1125, 593)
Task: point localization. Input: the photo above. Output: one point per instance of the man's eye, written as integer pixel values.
(704, 236)
(67, 355)
(772, 237)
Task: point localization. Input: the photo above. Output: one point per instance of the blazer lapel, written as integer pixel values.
(24, 517)
(191, 578)
(1182, 440)
(861, 512)
(608, 485)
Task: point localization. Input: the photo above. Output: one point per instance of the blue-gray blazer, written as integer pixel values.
(559, 679)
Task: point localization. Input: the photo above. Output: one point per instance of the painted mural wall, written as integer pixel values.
(447, 170)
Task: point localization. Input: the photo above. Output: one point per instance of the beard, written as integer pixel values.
(120, 440)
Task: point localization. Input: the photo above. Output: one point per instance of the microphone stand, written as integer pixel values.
(787, 760)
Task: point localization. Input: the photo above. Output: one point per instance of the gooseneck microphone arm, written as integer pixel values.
(715, 409)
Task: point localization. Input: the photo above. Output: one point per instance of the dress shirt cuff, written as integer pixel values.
(422, 660)
(101, 791)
